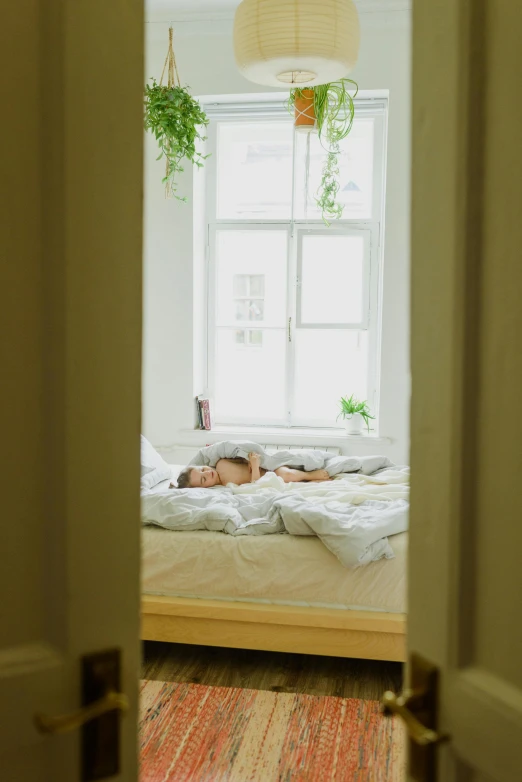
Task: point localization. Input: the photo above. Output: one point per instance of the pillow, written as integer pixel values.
(176, 469)
(155, 476)
(150, 458)
(154, 468)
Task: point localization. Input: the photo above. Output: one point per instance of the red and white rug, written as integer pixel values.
(191, 732)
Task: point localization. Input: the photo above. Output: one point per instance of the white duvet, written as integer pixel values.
(352, 515)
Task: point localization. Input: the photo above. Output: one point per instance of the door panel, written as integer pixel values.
(499, 500)
(465, 576)
(71, 351)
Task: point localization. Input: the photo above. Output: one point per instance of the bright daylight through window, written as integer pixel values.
(293, 304)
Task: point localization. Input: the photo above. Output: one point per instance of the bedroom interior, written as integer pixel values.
(242, 273)
(303, 618)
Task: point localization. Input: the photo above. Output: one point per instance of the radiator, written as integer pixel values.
(271, 448)
(182, 454)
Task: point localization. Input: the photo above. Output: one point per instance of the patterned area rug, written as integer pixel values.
(195, 733)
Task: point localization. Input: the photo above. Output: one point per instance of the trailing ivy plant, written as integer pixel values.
(177, 121)
(334, 111)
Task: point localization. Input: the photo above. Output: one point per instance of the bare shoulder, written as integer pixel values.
(231, 471)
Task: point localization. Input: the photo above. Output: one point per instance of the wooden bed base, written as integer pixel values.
(369, 635)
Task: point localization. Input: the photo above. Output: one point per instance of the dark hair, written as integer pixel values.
(184, 478)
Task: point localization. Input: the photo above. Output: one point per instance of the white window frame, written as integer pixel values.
(274, 108)
(345, 230)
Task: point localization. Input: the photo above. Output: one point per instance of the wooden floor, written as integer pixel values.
(274, 671)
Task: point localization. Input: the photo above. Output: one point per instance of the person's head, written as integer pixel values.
(197, 478)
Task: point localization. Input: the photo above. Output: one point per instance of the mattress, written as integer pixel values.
(278, 569)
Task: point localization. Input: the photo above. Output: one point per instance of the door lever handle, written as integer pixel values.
(111, 701)
(399, 704)
(418, 708)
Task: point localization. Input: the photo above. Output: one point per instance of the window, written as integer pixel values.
(249, 300)
(293, 305)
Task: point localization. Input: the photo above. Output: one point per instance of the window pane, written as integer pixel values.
(355, 172)
(240, 284)
(328, 365)
(251, 277)
(249, 338)
(257, 285)
(250, 309)
(332, 279)
(250, 375)
(254, 169)
(249, 285)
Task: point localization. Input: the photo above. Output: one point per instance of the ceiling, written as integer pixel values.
(201, 8)
(192, 6)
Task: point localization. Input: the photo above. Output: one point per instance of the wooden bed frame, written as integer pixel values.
(372, 635)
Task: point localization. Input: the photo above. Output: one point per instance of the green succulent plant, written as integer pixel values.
(350, 405)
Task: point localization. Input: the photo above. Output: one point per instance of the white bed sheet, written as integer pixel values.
(280, 569)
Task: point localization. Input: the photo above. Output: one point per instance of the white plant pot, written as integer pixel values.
(354, 424)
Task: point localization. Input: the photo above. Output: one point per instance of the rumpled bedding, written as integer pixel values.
(352, 515)
(306, 458)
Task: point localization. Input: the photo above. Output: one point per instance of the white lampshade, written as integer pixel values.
(280, 42)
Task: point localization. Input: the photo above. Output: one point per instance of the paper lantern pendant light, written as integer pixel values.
(280, 42)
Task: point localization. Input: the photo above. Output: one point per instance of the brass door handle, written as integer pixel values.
(111, 701)
(419, 733)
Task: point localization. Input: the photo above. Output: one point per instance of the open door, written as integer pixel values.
(465, 590)
(72, 78)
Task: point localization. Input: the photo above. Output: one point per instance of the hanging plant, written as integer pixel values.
(176, 120)
(333, 112)
(303, 102)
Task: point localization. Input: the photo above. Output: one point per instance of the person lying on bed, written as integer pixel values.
(240, 471)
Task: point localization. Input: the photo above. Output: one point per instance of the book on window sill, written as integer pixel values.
(199, 415)
(204, 417)
(205, 409)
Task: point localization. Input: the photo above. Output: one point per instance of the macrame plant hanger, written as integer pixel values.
(172, 77)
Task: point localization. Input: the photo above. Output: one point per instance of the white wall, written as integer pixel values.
(205, 61)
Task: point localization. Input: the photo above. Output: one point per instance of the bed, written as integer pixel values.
(276, 592)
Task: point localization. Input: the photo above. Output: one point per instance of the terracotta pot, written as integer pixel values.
(305, 112)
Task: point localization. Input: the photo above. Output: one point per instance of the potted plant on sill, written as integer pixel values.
(175, 118)
(329, 109)
(355, 414)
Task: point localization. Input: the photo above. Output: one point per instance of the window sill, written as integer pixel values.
(280, 436)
